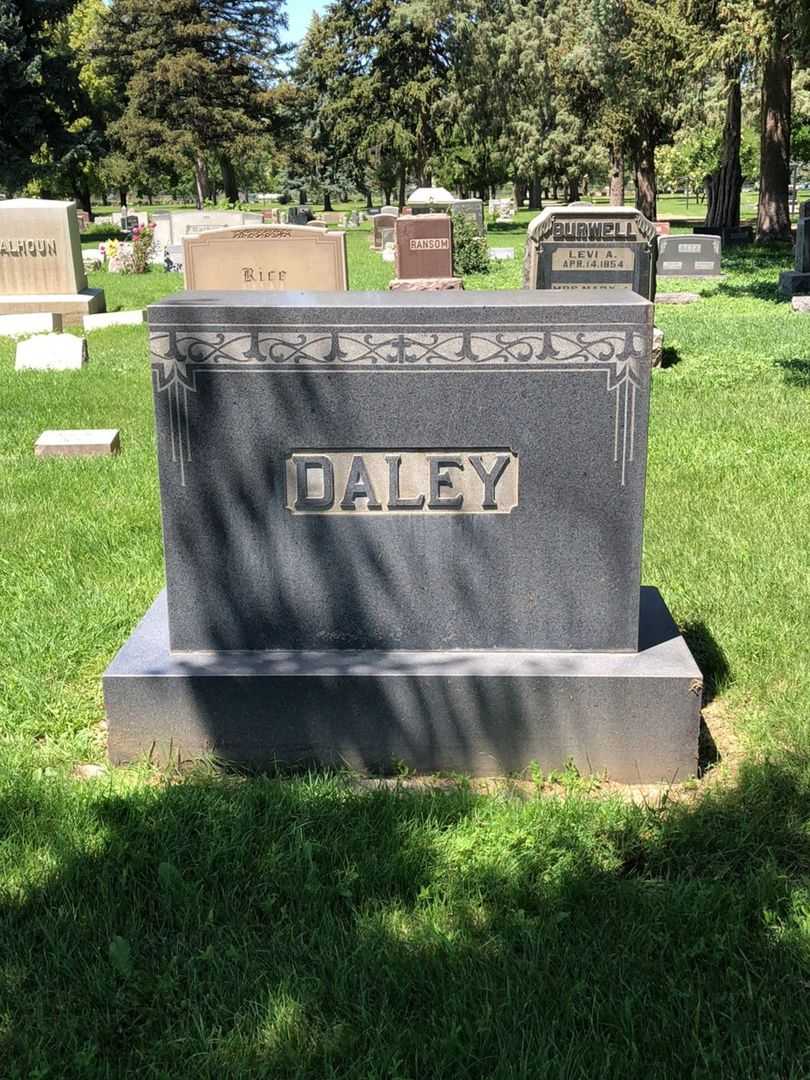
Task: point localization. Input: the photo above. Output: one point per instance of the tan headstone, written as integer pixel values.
(277, 257)
(41, 267)
(380, 222)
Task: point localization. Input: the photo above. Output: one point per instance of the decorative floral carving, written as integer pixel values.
(179, 354)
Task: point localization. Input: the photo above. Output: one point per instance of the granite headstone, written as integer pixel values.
(688, 256)
(589, 247)
(405, 527)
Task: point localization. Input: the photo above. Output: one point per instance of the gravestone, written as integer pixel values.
(473, 210)
(590, 247)
(405, 528)
(424, 252)
(394, 210)
(172, 226)
(796, 282)
(380, 222)
(41, 266)
(299, 215)
(663, 228)
(266, 257)
(688, 256)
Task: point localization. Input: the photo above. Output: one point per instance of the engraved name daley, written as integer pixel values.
(402, 481)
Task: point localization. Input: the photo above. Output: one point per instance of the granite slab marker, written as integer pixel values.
(405, 525)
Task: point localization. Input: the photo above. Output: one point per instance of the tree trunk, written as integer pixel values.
(201, 179)
(302, 196)
(229, 179)
(83, 197)
(773, 214)
(388, 193)
(327, 202)
(724, 185)
(535, 194)
(616, 175)
(646, 193)
(369, 203)
(122, 196)
(573, 190)
(402, 186)
(519, 193)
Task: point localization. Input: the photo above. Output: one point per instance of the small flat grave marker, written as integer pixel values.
(78, 442)
(51, 352)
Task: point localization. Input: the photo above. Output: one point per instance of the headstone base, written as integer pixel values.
(426, 284)
(792, 283)
(633, 715)
(71, 306)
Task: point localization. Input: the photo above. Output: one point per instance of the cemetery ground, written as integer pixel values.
(195, 923)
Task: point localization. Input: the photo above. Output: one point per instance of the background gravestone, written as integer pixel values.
(688, 256)
(405, 527)
(424, 252)
(589, 247)
(275, 257)
(41, 266)
(473, 210)
(380, 222)
(796, 282)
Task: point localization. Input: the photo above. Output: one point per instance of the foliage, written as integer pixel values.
(143, 245)
(470, 251)
(196, 75)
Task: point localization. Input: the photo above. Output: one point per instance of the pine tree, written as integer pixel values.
(197, 77)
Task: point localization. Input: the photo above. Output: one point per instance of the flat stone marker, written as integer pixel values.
(114, 318)
(501, 254)
(51, 352)
(801, 304)
(590, 247)
(45, 322)
(677, 297)
(41, 265)
(405, 526)
(92, 442)
(267, 257)
(689, 256)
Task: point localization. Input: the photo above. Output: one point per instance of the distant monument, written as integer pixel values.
(41, 266)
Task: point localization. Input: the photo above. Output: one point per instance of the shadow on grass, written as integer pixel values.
(669, 357)
(267, 928)
(796, 372)
(709, 657)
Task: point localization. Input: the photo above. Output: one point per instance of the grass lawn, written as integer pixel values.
(204, 925)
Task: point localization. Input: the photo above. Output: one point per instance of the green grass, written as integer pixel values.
(157, 925)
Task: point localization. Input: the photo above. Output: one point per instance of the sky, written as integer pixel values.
(299, 14)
